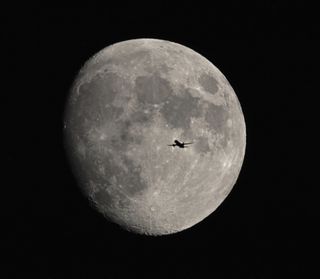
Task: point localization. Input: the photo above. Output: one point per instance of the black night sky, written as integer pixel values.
(266, 228)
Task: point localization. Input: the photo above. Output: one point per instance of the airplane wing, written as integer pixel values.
(188, 143)
(171, 145)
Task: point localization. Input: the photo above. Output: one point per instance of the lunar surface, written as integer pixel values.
(127, 104)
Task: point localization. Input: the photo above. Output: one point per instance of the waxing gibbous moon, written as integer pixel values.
(127, 104)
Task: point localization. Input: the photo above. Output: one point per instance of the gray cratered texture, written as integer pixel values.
(127, 104)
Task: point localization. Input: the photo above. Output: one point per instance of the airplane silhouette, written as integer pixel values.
(180, 144)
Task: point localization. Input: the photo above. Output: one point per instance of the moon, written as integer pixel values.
(126, 105)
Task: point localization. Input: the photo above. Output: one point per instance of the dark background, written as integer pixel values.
(266, 228)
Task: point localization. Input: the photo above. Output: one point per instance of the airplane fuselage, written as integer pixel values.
(179, 144)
